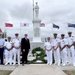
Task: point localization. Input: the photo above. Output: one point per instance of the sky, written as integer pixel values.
(59, 12)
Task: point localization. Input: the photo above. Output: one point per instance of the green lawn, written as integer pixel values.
(70, 72)
(5, 72)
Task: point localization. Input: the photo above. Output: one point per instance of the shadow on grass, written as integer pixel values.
(69, 72)
(5, 72)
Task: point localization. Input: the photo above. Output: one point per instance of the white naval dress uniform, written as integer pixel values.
(16, 51)
(63, 42)
(8, 54)
(48, 46)
(71, 51)
(57, 51)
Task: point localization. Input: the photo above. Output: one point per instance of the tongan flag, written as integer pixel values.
(55, 26)
(24, 25)
(42, 25)
(8, 25)
(71, 25)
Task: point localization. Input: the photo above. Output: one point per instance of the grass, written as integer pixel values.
(70, 72)
(5, 72)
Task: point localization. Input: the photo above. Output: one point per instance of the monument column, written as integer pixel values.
(36, 30)
(36, 25)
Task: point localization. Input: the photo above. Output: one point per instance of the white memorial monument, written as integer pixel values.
(36, 25)
(36, 29)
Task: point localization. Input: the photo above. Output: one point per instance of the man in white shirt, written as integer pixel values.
(16, 49)
(71, 48)
(55, 43)
(48, 48)
(63, 49)
(8, 51)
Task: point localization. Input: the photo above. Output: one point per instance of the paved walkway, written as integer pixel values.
(38, 69)
(8, 67)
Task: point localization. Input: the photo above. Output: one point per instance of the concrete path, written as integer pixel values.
(8, 67)
(38, 69)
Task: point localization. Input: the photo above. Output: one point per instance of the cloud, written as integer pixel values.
(3, 18)
(57, 10)
(50, 10)
(22, 12)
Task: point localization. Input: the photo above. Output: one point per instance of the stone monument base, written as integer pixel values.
(30, 55)
(37, 44)
(37, 39)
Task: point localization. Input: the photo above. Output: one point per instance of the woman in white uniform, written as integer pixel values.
(48, 48)
(8, 51)
(16, 49)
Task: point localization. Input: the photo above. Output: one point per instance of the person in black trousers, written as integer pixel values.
(1, 49)
(25, 46)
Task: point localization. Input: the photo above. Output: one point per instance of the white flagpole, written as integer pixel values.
(33, 9)
(52, 29)
(5, 32)
(20, 30)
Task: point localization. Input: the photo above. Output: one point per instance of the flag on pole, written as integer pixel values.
(42, 25)
(55, 26)
(71, 25)
(24, 25)
(8, 25)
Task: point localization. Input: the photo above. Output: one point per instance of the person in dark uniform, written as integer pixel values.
(25, 46)
(1, 49)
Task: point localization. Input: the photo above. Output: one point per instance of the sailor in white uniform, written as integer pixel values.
(8, 51)
(48, 48)
(71, 49)
(16, 49)
(63, 49)
(56, 43)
